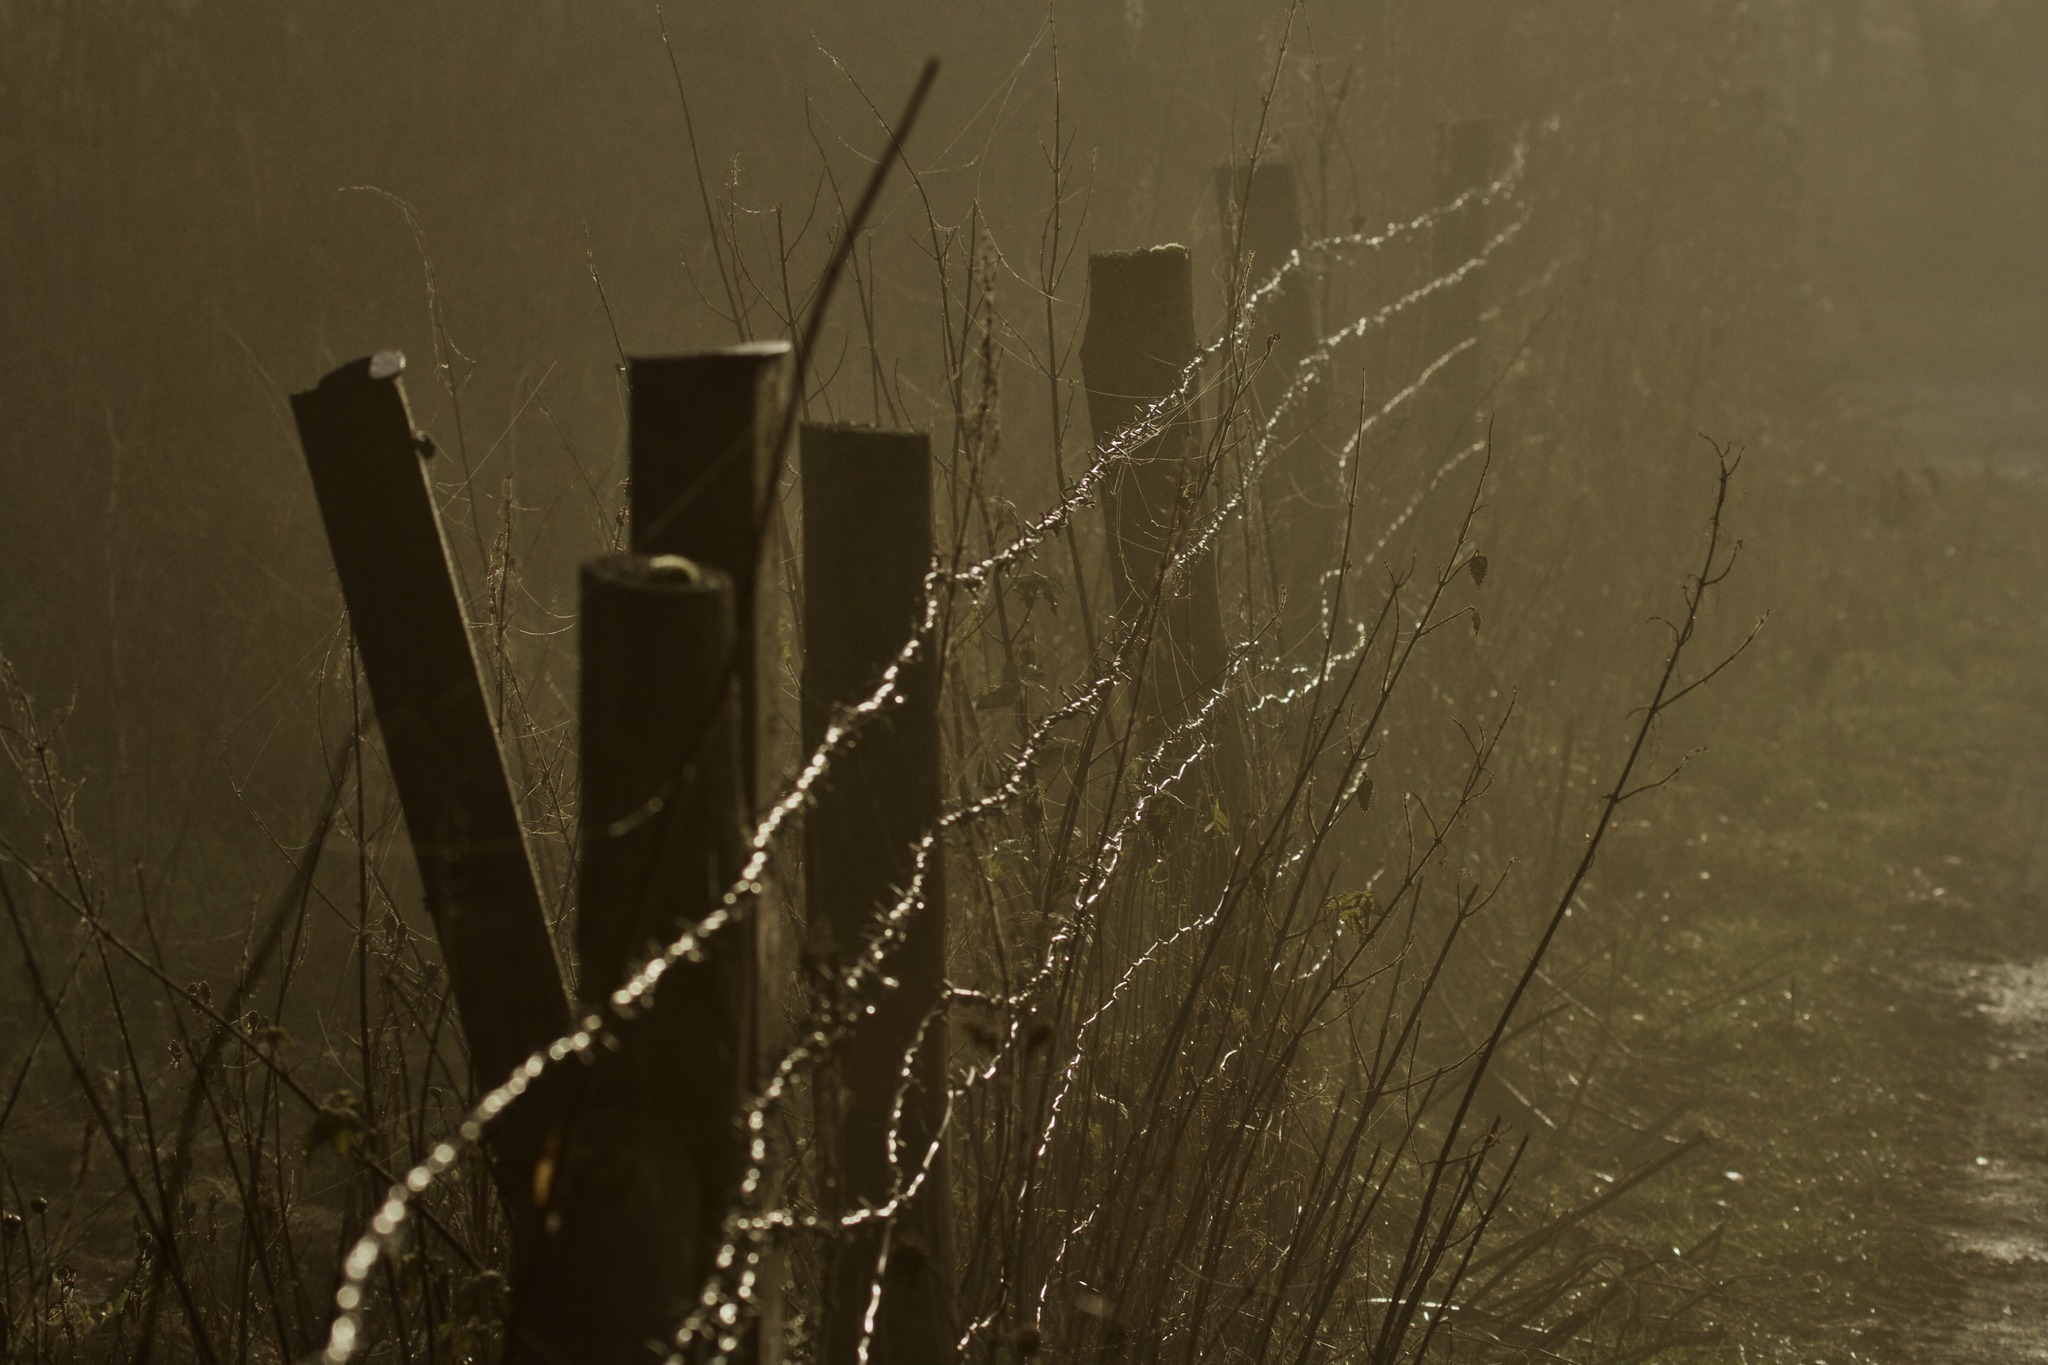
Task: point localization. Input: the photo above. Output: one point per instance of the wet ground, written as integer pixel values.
(1997, 1228)
(1981, 983)
(1859, 864)
(1885, 1094)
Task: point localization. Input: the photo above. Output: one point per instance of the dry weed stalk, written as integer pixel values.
(1208, 1097)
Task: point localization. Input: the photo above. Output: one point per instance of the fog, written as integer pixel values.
(1456, 767)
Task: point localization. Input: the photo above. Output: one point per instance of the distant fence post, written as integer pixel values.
(703, 429)
(1260, 209)
(1139, 340)
(1464, 160)
(649, 1147)
(384, 530)
(867, 535)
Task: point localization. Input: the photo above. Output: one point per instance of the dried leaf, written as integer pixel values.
(337, 1124)
(1218, 821)
(1004, 693)
(1036, 585)
(1354, 909)
(982, 1036)
(544, 1170)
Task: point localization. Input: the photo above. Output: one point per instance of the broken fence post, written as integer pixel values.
(867, 535)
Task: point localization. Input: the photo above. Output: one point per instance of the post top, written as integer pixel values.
(376, 368)
(745, 350)
(862, 429)
(1142, 278)
(1163, 251)
(660, 573)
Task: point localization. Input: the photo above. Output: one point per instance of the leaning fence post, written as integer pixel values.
(384, 529)
(867, 537)
(649, 1145)
(1139, 341)
(701, 458)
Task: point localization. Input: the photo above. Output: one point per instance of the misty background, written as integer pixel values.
(1817, 229)
(192, 232)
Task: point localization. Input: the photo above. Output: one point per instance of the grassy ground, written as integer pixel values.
(1848, 918)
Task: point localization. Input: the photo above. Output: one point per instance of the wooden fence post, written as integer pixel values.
(867, 534)
(384, 530)
(649, 1145)
(701, 455)
(1300, 501)
(1139, 340)
(1260, 208)
(1464, 160)
(702, 468)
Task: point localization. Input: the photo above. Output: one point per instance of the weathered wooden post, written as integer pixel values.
(702, 471)
(384, 530)
(1300, 500)
(649, 1146)
(867, 545)
(701, 458)
(1138, 343)
(1260, 210)
(1464, 156)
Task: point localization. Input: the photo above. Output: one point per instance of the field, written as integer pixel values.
(1113, 682)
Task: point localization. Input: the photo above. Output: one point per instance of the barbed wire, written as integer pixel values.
(387, 1225)
(716, 1301)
